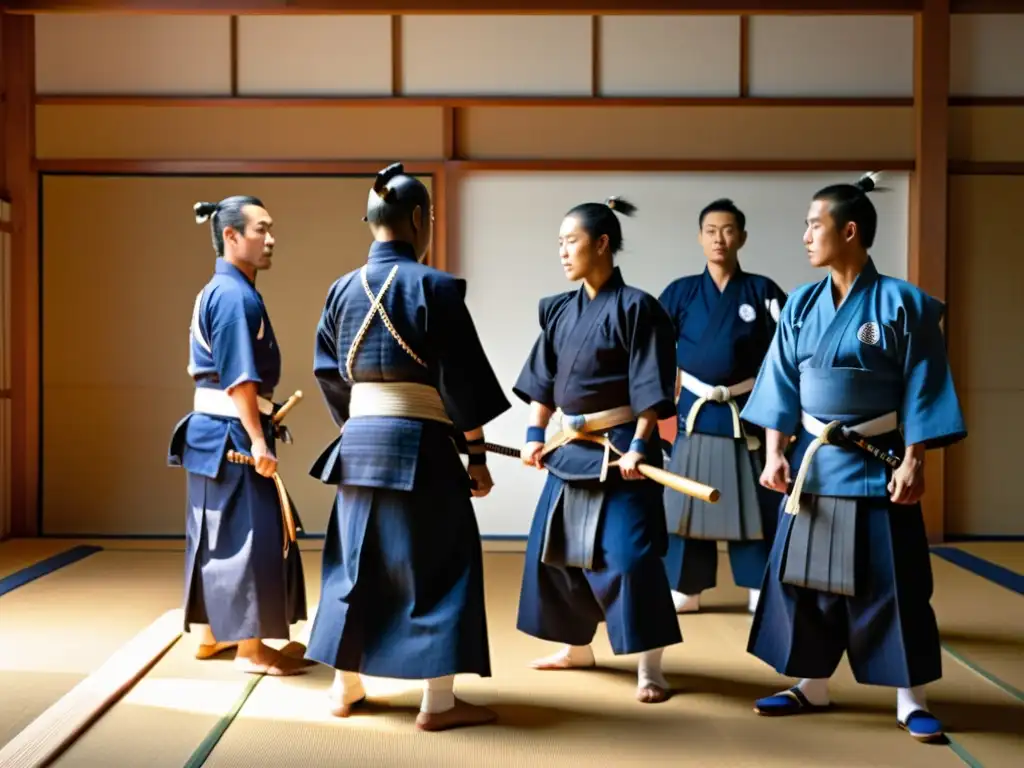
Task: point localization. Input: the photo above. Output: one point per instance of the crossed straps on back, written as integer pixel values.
(377, 308)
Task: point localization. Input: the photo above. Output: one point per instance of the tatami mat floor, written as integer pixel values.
(58, 628)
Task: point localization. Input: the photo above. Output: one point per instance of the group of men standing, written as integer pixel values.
(846, 379)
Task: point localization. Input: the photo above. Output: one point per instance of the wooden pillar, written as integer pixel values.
(929, 204)
(18, 44)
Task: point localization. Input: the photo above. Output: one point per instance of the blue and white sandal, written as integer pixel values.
(791, 702)
(923, 726)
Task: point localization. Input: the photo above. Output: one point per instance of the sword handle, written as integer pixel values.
(878, 453)
(237, 458)
(290, 403)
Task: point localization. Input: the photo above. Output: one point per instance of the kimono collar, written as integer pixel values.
(225, 267)
(737, 276)
(391, 250)
(613, 283)
(868, 274)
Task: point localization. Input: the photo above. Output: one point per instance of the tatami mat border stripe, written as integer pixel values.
(206, 746)
(1002, 685)
(986, 569)
(45, 567)
(959, 750)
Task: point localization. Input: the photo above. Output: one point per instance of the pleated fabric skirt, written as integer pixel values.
(728, 465)
(402, 590)
(886, 627)
(237, 579)
(820, 546)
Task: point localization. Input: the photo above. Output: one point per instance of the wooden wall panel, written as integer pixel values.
(223, 132)
(6, 303)
(860, 56)
(314, 55)
(93, 289)
(986, 351)
(735, 133)
(497, 55)
(136, 54)
(987, 55)
(18, 44)
(6, 458)
(987, 133)
(670, 56)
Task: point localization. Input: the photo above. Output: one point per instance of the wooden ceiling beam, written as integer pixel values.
(519, 7)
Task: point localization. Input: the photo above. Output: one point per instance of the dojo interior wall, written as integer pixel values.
(123, 260)
(6, 296)
(122, 94)
(986, 340)
(509, 255)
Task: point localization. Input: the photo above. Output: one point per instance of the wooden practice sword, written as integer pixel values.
(664, 477)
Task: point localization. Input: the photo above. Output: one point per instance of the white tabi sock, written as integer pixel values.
(908, 700)
(755, 595)
(438, 694)
(815, 689)
(348, 687)
(685, 603)
(648, 671)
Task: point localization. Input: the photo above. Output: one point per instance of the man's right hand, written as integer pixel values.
(776, 473)
(531, 454)
(266, 462)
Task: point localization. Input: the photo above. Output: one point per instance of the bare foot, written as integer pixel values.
(267, 661)
(568, 658)
(210, 650)
(296, 650)
(652, 694)
(340, 709)
(462, 714)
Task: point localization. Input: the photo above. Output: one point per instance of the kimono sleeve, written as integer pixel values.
(930, 412)
(234, 323)
(468, 385)
(671, 299)
(774, 402)
(652, 360)
(536, 382)
(327, 365)
(774, 302)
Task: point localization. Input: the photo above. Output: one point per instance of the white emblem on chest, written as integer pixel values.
(747, 313)
(869, 333)
(772, 305)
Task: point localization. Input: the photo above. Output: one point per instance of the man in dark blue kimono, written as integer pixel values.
(406, 380)
(724, 321)
(605, 362)
(850, 569)
(243, 577)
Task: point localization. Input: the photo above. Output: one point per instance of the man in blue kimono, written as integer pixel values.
(724, 321)
(243, 578)
(603, 362)
(850, 570)
(408, 384)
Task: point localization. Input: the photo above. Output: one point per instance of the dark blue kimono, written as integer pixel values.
(593, 355)
(882, 351)
(402, 593)
(237, 579)
(722, 337)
